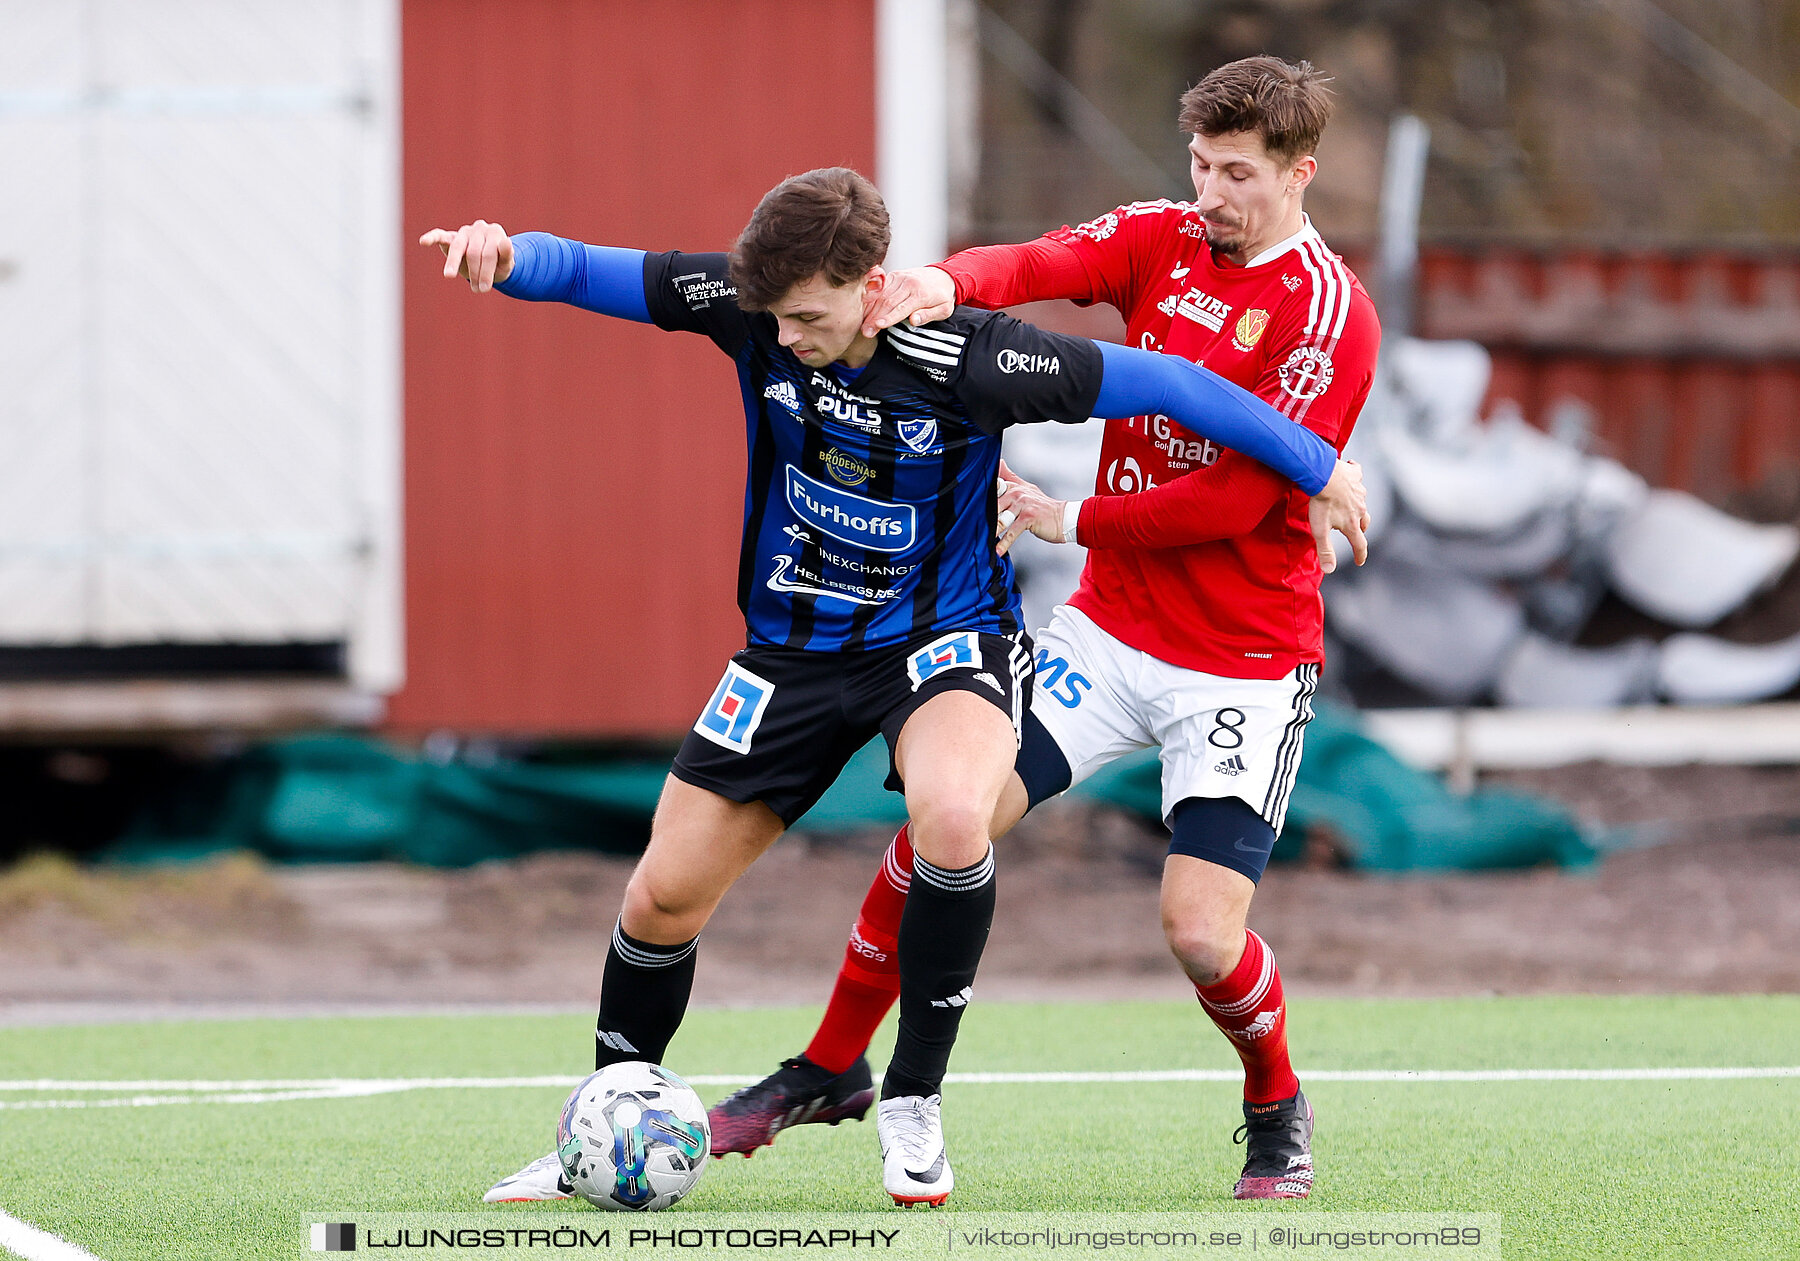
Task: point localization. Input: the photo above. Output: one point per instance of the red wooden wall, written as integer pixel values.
(574, 485)
(1690, 361)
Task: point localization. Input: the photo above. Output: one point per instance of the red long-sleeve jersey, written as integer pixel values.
(1199, 556)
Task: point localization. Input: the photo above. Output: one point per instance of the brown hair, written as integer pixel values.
(1287, 104)
(831, 220)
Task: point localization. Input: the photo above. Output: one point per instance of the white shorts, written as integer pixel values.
(1221, 737)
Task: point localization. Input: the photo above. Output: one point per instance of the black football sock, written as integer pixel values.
(643, 996)
(942, 932)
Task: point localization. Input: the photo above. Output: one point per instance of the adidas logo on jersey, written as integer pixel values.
(959, 999)
(1233, 765)
(783, 392)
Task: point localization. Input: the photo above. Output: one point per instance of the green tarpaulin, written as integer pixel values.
(338, 798)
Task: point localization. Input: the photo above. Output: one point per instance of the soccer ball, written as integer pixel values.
(633, 1137)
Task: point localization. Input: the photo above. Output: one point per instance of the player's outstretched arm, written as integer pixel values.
(1140, 382)
(539, 267)
(988, 276)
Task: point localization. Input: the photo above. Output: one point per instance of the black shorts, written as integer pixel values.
(783, 721)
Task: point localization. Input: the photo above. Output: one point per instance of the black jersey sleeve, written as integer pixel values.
(693, 293)
(1014, 373)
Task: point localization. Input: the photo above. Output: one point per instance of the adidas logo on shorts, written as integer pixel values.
(1233, 765)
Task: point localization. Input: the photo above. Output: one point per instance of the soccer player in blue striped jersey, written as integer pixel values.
(873, 595)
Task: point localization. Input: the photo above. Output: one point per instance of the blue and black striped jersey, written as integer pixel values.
(869, 509)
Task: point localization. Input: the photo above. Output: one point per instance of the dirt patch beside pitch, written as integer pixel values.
(1712, 905)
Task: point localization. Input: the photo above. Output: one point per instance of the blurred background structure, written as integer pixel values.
(267, 472)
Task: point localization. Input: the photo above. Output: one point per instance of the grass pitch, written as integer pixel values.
(1578, 1168)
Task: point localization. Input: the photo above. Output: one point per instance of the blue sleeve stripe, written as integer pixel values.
(600, 278)
(1142, 382)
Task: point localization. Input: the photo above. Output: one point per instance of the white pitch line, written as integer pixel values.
(145, 1094)
(24, 1240)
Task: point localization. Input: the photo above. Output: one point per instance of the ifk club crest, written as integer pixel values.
(919, 432)
(1249, 328)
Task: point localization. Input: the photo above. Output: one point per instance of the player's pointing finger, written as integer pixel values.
(453, 253)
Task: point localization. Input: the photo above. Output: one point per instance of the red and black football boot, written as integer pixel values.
(1278, 1157)
(798, 1093)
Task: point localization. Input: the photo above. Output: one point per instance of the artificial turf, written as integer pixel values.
(1573, 1169)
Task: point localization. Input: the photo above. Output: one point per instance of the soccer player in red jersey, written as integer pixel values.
(1197, 625)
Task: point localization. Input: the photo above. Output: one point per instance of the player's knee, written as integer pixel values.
(950, 832)
(656, 911)
(1206, 949)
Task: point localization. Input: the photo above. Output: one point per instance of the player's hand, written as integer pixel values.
(917, 295)
(1342, 506)
(480, 252)
(1024, 507)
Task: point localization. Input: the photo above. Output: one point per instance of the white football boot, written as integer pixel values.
(914, 1166)
(542, 1179)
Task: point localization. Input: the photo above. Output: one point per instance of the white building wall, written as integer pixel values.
(199, 324)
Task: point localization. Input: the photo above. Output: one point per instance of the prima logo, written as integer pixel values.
(1010, 361)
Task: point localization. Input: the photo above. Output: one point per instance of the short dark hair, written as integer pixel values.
(831, 220)
(1285, 103)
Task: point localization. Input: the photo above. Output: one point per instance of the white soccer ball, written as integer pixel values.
(633, 1137)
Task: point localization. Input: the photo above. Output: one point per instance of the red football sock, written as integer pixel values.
(1248, 1009)
(868, 981)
